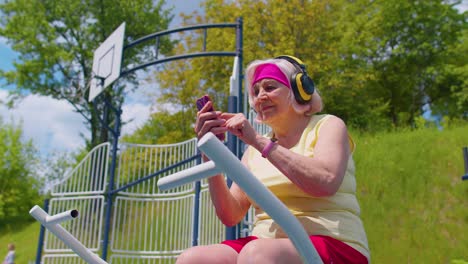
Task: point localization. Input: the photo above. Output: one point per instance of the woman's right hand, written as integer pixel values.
(209, 121)
(231, 204)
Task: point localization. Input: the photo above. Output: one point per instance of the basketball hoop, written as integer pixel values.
(107, 62)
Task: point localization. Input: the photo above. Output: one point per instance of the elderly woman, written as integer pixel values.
(306, 161)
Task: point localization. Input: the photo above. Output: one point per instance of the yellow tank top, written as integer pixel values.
(336, 216)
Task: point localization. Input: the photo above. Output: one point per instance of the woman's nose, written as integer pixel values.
(262, 95)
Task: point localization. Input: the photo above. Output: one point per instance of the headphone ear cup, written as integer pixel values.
(302, 85)
(295, 89)
(303, 88)
(307, 84)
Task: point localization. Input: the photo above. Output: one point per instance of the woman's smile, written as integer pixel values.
(265, 108)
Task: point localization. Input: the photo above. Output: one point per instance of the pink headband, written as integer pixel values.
(270, 71)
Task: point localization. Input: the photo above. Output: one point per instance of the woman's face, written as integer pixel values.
(271, 99)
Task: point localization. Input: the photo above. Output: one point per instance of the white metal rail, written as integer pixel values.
(52, 223)
(222, 160)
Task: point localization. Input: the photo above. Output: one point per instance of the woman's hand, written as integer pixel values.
(239, 126)
(209, 121)
(231, 204)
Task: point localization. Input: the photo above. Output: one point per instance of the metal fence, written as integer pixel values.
(147, 225)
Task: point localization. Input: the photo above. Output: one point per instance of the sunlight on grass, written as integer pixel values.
(412, 198)
(25, 239)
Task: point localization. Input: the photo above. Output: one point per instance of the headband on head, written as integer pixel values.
(270, 71)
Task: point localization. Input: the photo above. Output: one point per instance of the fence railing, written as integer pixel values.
(147, 225)
(88, 177)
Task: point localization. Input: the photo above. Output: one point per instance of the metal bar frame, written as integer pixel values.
(111, 192)
(221, 159)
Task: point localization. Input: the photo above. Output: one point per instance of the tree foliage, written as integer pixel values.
(19, 185)
(411, 52)
(55, 41)
(377, 64)
(163, 127)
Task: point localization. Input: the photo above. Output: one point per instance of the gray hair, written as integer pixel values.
(314, 106)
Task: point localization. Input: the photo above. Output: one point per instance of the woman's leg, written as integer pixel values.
(282, 250)
(279, 250)
(211, 254)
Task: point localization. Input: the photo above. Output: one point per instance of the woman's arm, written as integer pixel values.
(231, 204)
(322, 174)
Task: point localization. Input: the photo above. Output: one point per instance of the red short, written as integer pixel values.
(330, 250)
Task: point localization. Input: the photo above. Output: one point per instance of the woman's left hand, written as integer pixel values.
(239, 126)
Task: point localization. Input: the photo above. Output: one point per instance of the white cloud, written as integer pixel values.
(463, 6)
(51, 124)
(136, 114)
(54, 126)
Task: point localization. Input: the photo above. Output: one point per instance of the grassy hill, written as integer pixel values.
(414, 203)
(25, 237)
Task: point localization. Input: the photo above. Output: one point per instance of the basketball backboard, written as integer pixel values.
(107, 62)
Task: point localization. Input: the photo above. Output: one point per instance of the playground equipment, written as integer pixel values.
(222, 160)
(52, 223)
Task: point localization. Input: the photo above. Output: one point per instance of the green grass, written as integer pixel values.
(25, 237)
(413, 201)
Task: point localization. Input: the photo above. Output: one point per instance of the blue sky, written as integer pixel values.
(52, 124)
(7, 56)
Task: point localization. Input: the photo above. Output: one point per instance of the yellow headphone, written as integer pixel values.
(302, 85)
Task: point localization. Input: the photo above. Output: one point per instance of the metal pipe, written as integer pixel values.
(40, 243)
(228, 162)
(52, 224)
(61, 217)
(193, 174)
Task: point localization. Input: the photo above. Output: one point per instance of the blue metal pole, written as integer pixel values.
(40, 244)
(109, 194)
(234, 106)
(196, 206)
(232, 145)
(240, 94)
(465, 158)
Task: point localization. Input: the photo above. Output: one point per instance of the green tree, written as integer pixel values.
(57, 164)
(412, 42)
(271, 28)
(19, 185)
(163, 128)
(55, 41)
(373, 62)
(449, 94)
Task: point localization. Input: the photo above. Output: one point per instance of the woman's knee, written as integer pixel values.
(252, 252)
(191, 255)
(208, 254)
(269, 251)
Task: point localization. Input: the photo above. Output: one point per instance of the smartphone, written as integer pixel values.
(200, 103)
